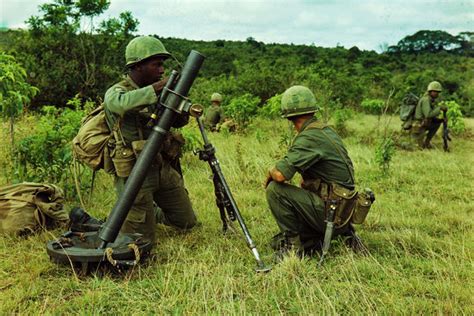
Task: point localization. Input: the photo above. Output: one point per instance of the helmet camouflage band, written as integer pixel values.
(434, 86)
(143, 47)
(216, 97)
(297, 100)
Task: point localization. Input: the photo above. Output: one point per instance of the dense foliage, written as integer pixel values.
(65, 53)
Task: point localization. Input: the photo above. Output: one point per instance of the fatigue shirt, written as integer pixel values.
(426, 108)
(133, 105)
(214, 115)
(318, 153)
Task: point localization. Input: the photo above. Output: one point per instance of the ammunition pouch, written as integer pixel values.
(346, 202)
(123, 159)
(352, 207)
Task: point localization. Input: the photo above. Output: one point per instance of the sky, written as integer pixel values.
(367, 24)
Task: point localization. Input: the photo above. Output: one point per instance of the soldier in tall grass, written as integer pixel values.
(318, 154)
(426, 116)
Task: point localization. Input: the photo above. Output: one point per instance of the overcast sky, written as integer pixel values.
(363, 23)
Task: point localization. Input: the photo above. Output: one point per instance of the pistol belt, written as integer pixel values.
(344, 198)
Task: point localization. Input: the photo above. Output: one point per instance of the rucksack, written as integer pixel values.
(408, 106)
(90, 146)
(27, 207)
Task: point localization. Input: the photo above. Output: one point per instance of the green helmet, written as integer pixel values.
(297, 100)
(216, 97)
(434, 86)
(143, 47)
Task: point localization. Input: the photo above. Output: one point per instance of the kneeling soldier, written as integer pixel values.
(319, 155)
(426, 121)
(130, 107)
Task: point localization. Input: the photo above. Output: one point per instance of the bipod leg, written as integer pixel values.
(221, 204)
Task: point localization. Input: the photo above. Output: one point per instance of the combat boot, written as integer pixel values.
(291, 244)
(81, 221)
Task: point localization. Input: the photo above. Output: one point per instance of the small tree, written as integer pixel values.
(15, 92)
(242, 109)
(455, 117)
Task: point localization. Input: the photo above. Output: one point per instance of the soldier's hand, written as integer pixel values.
(443, 108)
(159, 85)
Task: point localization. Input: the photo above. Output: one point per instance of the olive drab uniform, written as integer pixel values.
(162, 197)
(214, 116)
(318, 154)
(426, 120)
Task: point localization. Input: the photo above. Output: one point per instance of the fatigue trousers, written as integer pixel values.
(430, 130)
(296, 210)
(161, 199)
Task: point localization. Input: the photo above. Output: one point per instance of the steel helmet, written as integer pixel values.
(216, 97)
(297, 100)
(143, 47)
(435, 86)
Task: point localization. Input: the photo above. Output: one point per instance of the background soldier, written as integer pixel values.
(214, 113)
(426, 113)
(130, 105)
(318, 154)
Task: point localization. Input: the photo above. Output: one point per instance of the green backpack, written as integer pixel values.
(407, 110)
(90, 146)
(27, 207)
(408, 106)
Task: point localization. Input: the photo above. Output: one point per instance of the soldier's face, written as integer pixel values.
(434, 94)
(152, 70)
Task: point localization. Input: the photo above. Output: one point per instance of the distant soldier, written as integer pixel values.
(426, 112)
(214, 114)
(319, 155)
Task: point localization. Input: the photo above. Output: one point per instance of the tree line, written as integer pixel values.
(65, 53)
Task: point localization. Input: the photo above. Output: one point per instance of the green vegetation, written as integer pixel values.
(15, 92)
(88, 60)
(419, 234)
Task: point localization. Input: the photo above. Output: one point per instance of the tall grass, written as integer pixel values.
(419, 236)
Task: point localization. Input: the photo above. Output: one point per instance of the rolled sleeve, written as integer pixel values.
(303, 153)
(119, 101)
(286, 168)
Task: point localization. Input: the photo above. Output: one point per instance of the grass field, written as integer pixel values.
(419, 235)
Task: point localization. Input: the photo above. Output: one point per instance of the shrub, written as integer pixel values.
(243, 108)
(46, 155)
(455, 117)
(272, 107)
(372, 106)
(384, 153)
(340, 117)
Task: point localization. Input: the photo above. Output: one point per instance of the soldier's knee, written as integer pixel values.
(185, 223)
